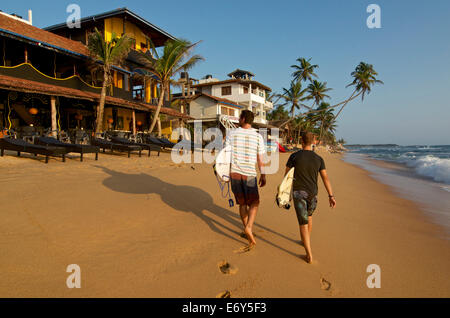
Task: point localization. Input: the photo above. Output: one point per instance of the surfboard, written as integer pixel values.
(222, 164)
(284, 193)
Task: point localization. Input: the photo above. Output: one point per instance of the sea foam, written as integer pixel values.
(433, 167)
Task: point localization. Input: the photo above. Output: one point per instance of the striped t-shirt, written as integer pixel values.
(245, 145)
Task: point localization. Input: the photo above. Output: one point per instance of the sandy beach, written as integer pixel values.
(145, 227)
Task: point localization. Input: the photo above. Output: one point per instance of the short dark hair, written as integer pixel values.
(307, 138)
(247, 116)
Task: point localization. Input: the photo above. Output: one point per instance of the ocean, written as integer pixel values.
(418, 173)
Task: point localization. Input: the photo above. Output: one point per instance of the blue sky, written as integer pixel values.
(410, 52)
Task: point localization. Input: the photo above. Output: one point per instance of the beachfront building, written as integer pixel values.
(211, 98)
(49, 81)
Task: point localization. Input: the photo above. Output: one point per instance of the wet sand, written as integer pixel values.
(145, 227)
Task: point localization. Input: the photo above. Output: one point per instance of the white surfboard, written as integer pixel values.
(284, 194)
(222, 165)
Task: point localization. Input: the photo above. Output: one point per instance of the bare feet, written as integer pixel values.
(309, 259)
(250, 237)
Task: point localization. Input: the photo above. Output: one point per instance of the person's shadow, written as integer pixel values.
(179, 198)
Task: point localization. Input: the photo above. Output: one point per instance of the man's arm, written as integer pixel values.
(327, 184)
(287, 170)
(262, 180)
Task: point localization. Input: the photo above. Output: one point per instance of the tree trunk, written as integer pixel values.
(159, 127)
(321, 130)
(134, 122)
(335, 117)
(101, 105)
(158, 109)
(53, 114)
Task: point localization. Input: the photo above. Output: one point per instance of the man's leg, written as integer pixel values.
(310, 224)
(304, 233)
(243, 211)
(309, 229)
(251, 219)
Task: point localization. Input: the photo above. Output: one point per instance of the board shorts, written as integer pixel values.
(304, 206)
(245, 189)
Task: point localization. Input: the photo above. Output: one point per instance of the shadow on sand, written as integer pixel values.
(177, 197)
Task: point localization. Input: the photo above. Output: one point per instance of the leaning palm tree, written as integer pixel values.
(304, 70)
(317, 91)
(364, 77)
(325, 116)
(108, 53)
(293, 96)
(176, 57)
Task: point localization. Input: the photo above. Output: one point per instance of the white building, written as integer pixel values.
(214, 98)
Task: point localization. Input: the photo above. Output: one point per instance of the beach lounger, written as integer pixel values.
(81, 149)
(105, 144)
(154, 141)
(149, 147)
(20, 146)
(167, 142)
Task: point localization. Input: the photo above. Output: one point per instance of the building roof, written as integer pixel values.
(27, 86)
(238, 73)
(219, 100)
(159, 36)
(25, 32)
(241, 81)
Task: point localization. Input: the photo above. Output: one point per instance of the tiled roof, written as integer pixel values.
(31, 33)
(219, 100)
(27, 86)
(22, 85)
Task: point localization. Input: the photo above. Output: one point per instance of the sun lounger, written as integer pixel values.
(167, 142)
(105, 144)
(149, 147)
(20, 146)
(81, 149)
(154, 141)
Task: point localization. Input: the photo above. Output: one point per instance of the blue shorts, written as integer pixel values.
(304, 206)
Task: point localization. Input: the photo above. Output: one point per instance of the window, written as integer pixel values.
(118, 79)
(226, 111)
(245, 90)
(226, 90)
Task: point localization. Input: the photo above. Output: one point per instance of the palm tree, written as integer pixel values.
(303, 123)
(364, 77)
(293, 96)
(278, 113)
(108, 53)
(326, 118)
(317, 91)
(304, 70)
(176, 57)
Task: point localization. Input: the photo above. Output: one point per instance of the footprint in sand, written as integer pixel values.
(225, 294)
(245, 249)
(324, 284)
(227, 269)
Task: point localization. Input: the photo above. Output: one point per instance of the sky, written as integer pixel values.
(411, 52)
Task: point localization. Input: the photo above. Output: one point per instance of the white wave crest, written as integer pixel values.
(431, 166)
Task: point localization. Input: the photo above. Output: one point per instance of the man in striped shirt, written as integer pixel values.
(247, 150)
